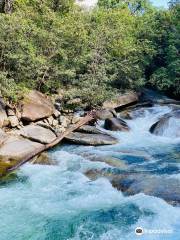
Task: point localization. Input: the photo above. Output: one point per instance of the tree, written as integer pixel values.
(6, 6)
(62, 5)
(173, 3)
(135, 6)
(166, 65)
(47, 45)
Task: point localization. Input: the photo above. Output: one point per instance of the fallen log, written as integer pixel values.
(89, 117)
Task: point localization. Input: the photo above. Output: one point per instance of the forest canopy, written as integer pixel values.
(53, 44)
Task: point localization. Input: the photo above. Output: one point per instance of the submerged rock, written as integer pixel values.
(91, 139)
(38, 134)
(126, 115)
(168, 125)
(165, 188)
(134, 183)
(116, 124)
(112, 161)
(44, 159)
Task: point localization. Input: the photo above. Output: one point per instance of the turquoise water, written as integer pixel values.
(61, 203)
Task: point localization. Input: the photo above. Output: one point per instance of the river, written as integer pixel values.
(62, 203)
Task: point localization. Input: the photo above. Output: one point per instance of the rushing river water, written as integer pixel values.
(61, 203)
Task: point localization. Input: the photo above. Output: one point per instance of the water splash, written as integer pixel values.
(171, 128)
(61, 203)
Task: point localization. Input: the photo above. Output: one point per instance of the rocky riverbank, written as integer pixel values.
(38, 120)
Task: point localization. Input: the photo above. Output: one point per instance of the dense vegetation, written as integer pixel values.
(52, 44)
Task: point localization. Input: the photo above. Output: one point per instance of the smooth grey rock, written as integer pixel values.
(89, 129)
(43, 159)
(36, 106)
(112, 161)
(91, 139)
(168, 125)
(104, 114)
(167, 189)
(134, 183)
(15, 148)
(116, 124)
(38, 134)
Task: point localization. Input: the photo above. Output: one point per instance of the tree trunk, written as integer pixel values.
(1, 6)
(6, 6)
(89, 117)
(56, 5)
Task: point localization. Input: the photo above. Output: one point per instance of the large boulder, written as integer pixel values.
(36, 106)
(165, 188)
(89, 129)
(38, 134)
(3, 116)
(116, 124)
(91, 139)
(44, 159)
(168, 125)
(104, 114)
(16, 147)
(133, 183)
(121, 101)
(13, 151)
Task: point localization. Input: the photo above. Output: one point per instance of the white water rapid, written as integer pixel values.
(61, 203)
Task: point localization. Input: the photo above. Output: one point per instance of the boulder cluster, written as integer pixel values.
(39, 120)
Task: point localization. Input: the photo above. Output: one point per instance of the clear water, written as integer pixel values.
(61, 203)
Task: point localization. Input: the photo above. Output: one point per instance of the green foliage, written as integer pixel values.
(8, 88)
(49, 45)
(174, 3)
(165, 67)
(135, 6)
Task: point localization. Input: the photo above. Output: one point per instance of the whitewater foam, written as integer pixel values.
(61, 203)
